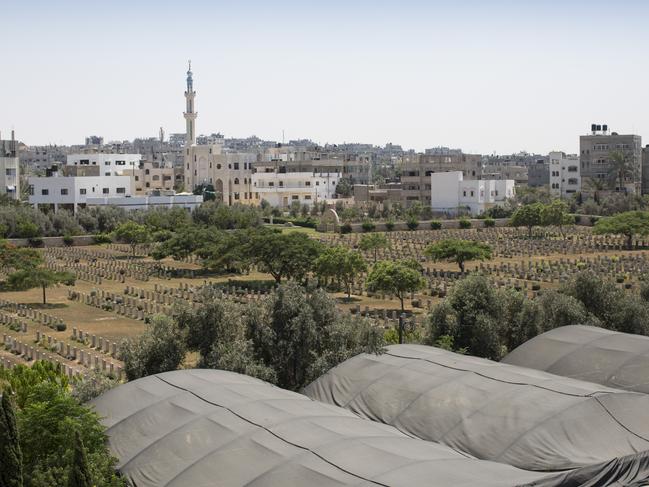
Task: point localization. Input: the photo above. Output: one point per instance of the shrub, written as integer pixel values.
(435, 224)
(577, 219)
(489, 222)
(346, 228)
(102, 238)
(536, 287)
(368, 226)
(35, 241)
(593, 219)
(465, 223)
(412, 224)
(68, 240)
(389, 226)
(61, 327)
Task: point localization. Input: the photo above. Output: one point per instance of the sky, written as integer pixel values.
(482, 75)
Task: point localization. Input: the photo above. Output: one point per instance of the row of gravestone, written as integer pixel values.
(24, 311)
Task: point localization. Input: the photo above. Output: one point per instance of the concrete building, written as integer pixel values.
(281, 188)
(70, 193)
(597, 167)
(9, 168)
(452, 194)
(565, 174)
(645, 170)
(150, 176)
(416, 170)
(538, 174)
(109, 164)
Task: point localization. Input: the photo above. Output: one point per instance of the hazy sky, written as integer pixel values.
(482, 75)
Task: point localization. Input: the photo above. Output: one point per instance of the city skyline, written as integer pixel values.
(482, 76)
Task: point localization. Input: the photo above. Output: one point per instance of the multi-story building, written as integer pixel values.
(645, 170)
(281, 188)
(416, 170)
(60, 192)
(538, 174)
(109, 164)
(149, 176)
(598, 167)
(9, 168)
(565, 174)
(452, 194)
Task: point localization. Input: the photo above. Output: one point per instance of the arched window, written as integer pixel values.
(236, 180)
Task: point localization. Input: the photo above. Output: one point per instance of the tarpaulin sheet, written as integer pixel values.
(523, 417)
(611, 358)
(213, 428)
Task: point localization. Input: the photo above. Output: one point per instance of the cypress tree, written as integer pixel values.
(79, 473)
(11, 469)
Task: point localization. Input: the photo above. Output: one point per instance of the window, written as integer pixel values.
(105, 190)
(236, 196)
(464, 193)
(471, 193)
(307, 183)
(218, 166)
(271, 184)
(121, 190)
(281, 184)
(137, 178)
(64, 191)
(236, 180)
(317, 183)
(295, 197)
(106, 163)
(31, 190)
(156, 178)
(148, 185)
(307, 197)
(236, 165)
(45, 192)
(146, 171)
(121, 163)
(106, 174)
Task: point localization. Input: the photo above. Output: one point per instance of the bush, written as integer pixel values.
(36, 241)
(489, 222)
(593, 219)
(346, 228)
(68, 240)
(389, 226)
(577, 219)
(102, 238)
(435, 224)
(536, 287)
(368, 226)
(412, 224)
(465, 223)
(61, 327)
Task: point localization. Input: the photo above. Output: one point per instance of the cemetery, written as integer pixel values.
(115, 293)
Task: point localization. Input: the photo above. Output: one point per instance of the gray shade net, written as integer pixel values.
(213, 428)
(526, 418)
(614, 359)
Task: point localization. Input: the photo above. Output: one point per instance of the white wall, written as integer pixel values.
(114, 164)
(75, 190)
(10, 176)
(188, 201)
(281, 189)
(449, 191)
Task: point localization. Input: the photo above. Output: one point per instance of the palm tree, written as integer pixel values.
(621, 168)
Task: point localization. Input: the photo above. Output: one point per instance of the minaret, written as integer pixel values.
(190, 115)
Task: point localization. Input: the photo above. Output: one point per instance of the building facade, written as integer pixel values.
(9, 169)
(452, 194)
(645, 170)
(71, 193)
(109, 164)
(598, 167)
(565, 175)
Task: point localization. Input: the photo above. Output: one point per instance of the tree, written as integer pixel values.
(621, 168)
(40, 277)
(14, 258)
(344, 188)
(399, 278)
(133, 234)
(459, 251)
(79, 474)
(373, 242)
(528, 216)
(290, 255)
(556, 213)
(11, 469)
(159, 349)
(342, 264)
(628, 224)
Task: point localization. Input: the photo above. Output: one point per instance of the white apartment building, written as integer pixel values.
(9, 169)
(108, 164)
(451, 193)
(282, 189)
(565, 174)
(72, 192)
